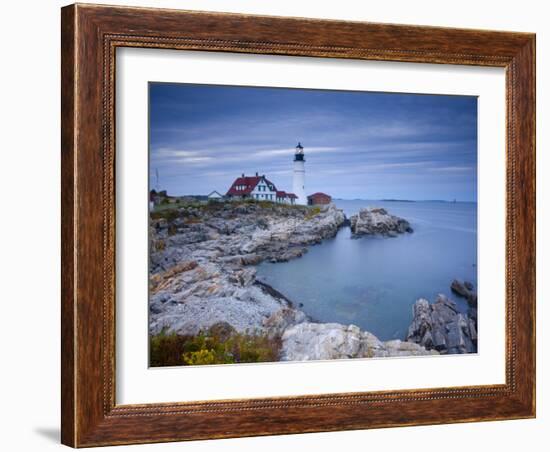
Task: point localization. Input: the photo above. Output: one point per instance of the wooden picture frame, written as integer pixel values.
(90, 36)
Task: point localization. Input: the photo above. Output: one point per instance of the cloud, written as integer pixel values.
(454, 169)
(286, 151)
(168, 153)
(201, 138)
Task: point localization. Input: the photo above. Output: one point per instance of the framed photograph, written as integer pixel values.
(282, 225)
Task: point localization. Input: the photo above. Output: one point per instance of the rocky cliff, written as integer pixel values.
(202, 264)
(440, 326)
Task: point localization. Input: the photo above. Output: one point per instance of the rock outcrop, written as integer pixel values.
(440, 326)
(202, 264)
(313, 341)
(466, 290)
(377, 221)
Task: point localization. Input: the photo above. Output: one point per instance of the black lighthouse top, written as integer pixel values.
(299, 155)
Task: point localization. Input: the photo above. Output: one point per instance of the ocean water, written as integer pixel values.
(372, 282)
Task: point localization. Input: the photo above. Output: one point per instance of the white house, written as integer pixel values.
(259, 188)
(264, 190)
(215, 196)
(286, 198)
(255, 187)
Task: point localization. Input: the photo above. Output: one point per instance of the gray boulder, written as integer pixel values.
(377, 221)
(440, 326)
(320, 341)
(466, 290)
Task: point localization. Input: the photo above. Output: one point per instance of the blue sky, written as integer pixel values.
(357, 144)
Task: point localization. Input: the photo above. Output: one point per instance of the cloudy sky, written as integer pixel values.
(357, 144)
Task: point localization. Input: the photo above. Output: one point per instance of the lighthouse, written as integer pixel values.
(299, 176)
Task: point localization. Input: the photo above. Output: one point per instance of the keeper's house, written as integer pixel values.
(259, 188)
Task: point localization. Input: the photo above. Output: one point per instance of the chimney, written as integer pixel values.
(242, 175)
(256, 173)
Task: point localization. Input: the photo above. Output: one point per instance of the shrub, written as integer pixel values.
(313, 212)
(165, 349)
(172, 230)
(264, 204)
(216, 346)
(193, 220)
(169, 214)
(214, 204)
(200, 357)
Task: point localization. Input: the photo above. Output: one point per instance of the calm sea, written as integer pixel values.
(373, 282)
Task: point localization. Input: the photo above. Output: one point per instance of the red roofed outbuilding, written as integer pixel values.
(318, 198)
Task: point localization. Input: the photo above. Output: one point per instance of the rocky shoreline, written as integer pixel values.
(441, 326)
(203, 275)
(202, 264)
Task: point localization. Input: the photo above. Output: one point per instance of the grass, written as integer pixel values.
(313, 212)
(168, 214)
(216, 346)
(169, 206)
(171, 211)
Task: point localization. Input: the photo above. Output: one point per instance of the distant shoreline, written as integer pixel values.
(205, 198)
(407, 200)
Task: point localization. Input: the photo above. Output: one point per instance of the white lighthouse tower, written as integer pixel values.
(299, 176)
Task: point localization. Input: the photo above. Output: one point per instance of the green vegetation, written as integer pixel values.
(170, 213)
(219, 345)
(172, 230)
(172, 210)
(164, 206)
(159, 245)
(313, 212)
(193, 220)
(265, 204)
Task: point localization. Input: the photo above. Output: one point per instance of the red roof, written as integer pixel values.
(284, 194)
(318, 194)
(271, 184)
(249, 183)
(319, 198)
